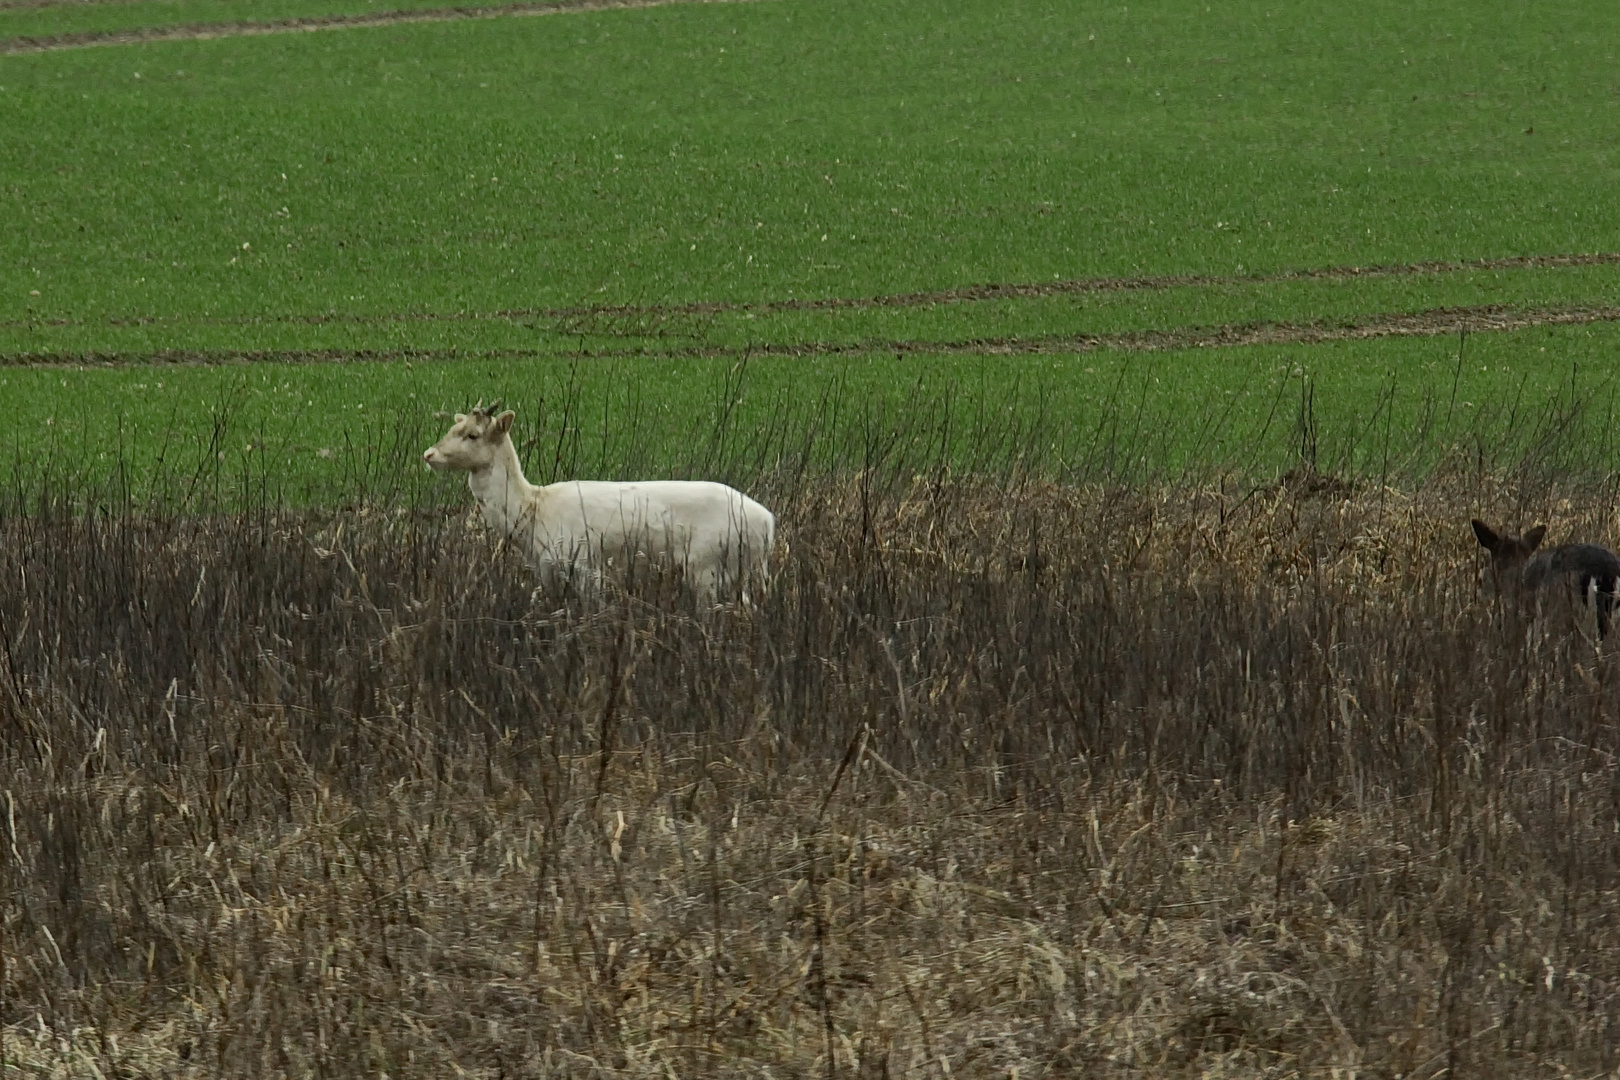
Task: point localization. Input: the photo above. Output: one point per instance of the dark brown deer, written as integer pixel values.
(1515, 559)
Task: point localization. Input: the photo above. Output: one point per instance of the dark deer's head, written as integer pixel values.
(1508, 553)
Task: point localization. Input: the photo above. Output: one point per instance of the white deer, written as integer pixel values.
(716, 534)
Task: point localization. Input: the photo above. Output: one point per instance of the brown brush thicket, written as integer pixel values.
(1000, 779)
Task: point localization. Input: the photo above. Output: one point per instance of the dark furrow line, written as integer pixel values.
(1150, 283)
(1490, 318)
(246, 28)
(34, 5)
(963, 294)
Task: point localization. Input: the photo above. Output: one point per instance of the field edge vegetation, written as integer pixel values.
(1128, 771)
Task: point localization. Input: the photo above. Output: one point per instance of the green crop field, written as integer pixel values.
(631, 203)
(1135, 686)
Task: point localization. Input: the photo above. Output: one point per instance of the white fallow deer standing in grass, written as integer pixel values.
(1589, 571)
(717, 535)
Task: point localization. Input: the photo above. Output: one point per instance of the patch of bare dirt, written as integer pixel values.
(34, 5)
(249, 27)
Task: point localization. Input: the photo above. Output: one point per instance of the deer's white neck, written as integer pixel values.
(501, 490)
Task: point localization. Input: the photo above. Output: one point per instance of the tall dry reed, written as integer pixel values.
(1005, 779)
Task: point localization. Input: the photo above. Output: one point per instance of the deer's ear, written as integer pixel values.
(1487, 536)
(1533, 538)
(460, 416)
(503, 422)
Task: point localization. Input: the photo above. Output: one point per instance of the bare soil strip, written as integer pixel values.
(1037, 290)
(1490, 318)
(963, 294)
(1431, 323)
(247, 28)
(34, 5)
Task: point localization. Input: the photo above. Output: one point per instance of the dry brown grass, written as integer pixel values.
(998, 781)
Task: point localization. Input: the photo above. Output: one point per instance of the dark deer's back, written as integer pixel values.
(1588, 562)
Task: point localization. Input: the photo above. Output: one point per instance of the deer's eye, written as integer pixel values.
(470, 435)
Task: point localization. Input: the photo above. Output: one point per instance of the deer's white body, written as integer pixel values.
(716, 534)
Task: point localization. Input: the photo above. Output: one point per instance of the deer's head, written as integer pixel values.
(1508, 553)
(472, 442)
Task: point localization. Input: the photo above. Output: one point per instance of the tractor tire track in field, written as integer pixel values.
(960, 295)
(248, 27)
(34, 5)
(1490, 318)
(1081, 286)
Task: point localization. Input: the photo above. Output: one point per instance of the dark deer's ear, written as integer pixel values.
(1487, 536)
(1533, 538)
